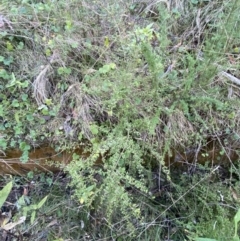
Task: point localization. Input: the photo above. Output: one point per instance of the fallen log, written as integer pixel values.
(43, 159)
(46, 159)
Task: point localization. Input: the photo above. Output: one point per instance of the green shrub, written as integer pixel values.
(133, 82)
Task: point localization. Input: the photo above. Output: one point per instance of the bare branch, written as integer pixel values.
(230, 77)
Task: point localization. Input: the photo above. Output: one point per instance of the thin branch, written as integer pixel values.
(230, 77)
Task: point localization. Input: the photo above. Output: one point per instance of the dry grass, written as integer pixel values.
(179, 128)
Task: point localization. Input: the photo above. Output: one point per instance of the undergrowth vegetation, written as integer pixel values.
(135, 82)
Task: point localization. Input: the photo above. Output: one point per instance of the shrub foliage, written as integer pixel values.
(134, 81)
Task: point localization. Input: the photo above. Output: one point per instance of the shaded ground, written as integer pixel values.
(57, 218)
(62, 217)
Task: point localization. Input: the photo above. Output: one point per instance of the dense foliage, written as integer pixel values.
(134, 81)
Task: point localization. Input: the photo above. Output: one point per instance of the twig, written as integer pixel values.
(231, 77)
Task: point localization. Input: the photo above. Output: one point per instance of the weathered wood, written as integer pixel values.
(41, 159)
(46, 159)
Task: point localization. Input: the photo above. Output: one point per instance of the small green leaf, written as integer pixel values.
(33, 215)
(236, 220)
(9, 46)
(74, 45)
(94, 129)
(4, 193)
(4, 33)
(13, 81)
(24, 84)
(24, 97)
(8, 61)
(64, 70)
(13, 143)
(44, 109)
(16, 117)
(3, 144)
(24, 146)
(15, 103)
(4, 74)
(24, 157)
(40, 204)
(112, 66)
(48, 102)
(105, 69)
(106, 42)
(21, 202)
(20, 46)
(30, 117)
(48, 52)
(68, 25)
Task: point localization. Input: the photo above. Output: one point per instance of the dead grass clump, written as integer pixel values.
(180, 129)
(41, 85)
(84, 110)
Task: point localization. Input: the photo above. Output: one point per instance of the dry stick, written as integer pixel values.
(230, 77)
(10, 161)
(10, 167)
(152, 223)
